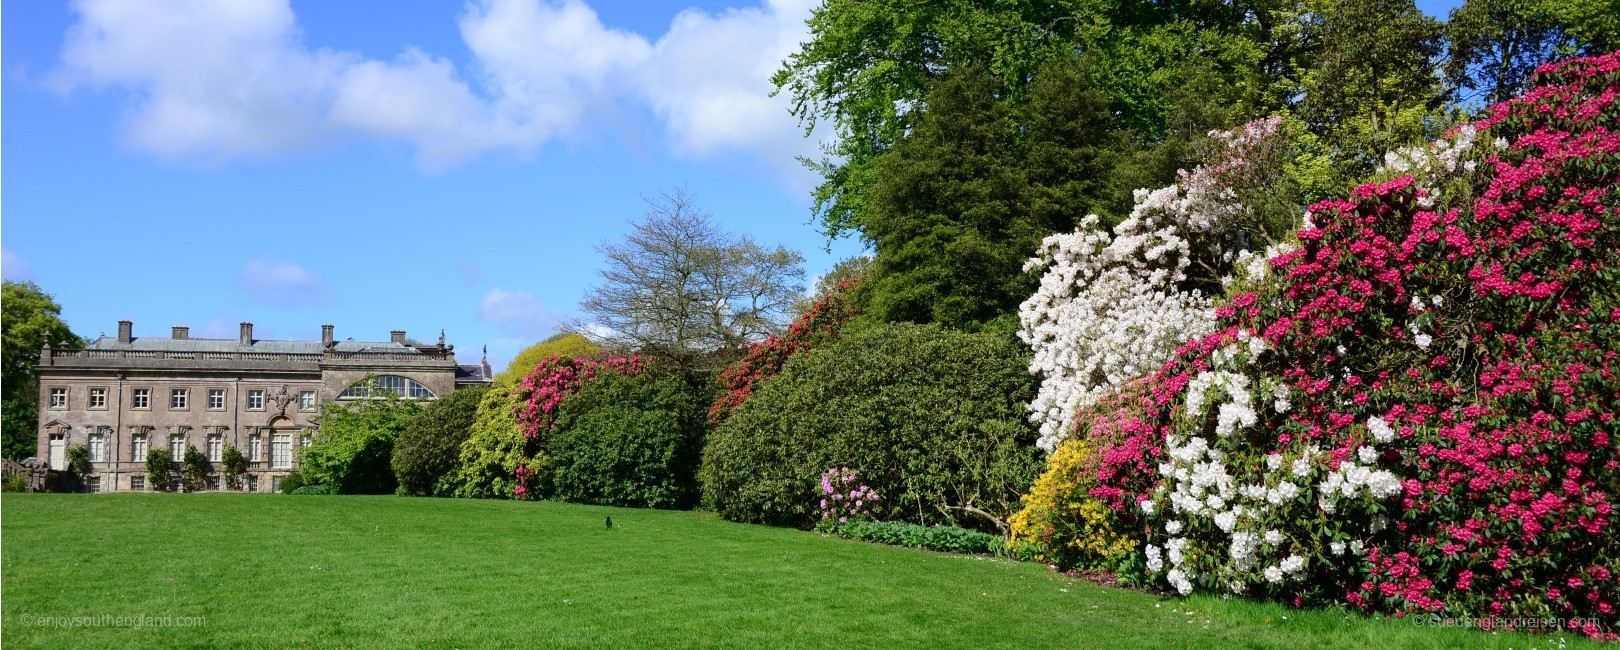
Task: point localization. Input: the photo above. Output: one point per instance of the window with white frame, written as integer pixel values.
(177, 447)
(275, 484)
(216, 399)
(59, 398)
(216, 446)
(141, 398)
(137, 483)
(256, 399)
(178, 398)
(306, 400)
(401, 386)
(281, 452)
(253, 448)
(98, 398)
(137, 447)
(252, 482)
(98, 445)
(304, 440)
(92, 483)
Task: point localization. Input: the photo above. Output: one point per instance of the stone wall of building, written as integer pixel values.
(254, 395)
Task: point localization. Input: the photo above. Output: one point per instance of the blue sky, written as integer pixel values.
(380, 165)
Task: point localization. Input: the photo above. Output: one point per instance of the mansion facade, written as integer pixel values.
(121, 397)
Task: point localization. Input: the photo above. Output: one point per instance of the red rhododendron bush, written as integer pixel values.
(1416, 412)
(816, 327)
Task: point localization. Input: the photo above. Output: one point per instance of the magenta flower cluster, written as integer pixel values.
(551, 382)
(844, 497)
(525, 483)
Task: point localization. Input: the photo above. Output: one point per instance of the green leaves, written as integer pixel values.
(30, 316)
(353, 448)
(932, 419)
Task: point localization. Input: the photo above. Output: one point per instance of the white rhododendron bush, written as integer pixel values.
(1112, 306)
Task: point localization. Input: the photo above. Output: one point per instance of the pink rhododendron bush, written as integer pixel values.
(1415, 413)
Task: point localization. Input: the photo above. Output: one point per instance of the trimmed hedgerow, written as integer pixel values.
(932, 419)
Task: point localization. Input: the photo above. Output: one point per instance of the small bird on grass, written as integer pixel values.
(609, 522)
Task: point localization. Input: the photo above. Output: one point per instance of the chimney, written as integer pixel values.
(246, 337)
(397, 336)
(326, 336)
(124, 328)
(182, 332)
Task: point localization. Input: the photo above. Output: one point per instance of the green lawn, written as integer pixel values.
(280, 571)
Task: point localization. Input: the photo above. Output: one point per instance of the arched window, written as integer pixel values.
(401, 386)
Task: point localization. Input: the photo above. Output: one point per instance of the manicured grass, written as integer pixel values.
(279, 571)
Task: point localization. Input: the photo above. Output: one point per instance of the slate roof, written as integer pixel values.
(471, 373)
(231, 345)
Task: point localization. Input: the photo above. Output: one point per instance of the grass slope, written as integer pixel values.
(276, 572)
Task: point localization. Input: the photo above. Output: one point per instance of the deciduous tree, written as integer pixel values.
(30, 317)
(682, 289)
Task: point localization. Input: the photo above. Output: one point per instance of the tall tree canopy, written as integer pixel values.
(957, 206)
(870, 65)
(1496, 44)
(30, 316)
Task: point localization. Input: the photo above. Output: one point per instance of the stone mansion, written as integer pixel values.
(120, 397)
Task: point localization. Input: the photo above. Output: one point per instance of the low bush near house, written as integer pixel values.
(353, 449)
(949, 539)
(291, 482)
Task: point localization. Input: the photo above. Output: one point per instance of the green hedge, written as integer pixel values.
(354, 445)
(949, 539)
(427, 448)
(628, 441)
(933, 419)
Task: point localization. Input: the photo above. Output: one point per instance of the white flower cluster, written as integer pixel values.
(1109, 308)
(1433, 164)
(1219, 524)
(1107, 311)
(1428, 161)
(1256, 267)
(1419, 337)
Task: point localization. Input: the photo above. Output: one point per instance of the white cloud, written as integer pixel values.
(13, 267)
(285, 284)
(216, 80)
(518, 313)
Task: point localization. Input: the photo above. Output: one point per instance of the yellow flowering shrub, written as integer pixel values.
(1061, 523)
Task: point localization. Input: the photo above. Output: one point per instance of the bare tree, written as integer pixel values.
(683, 289)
